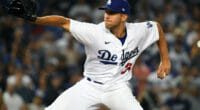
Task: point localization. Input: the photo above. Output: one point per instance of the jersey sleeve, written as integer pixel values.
(83, 32)
(151, 34)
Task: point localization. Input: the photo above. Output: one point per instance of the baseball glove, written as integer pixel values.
(25, 9)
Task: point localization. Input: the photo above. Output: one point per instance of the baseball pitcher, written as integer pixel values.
(112, 48)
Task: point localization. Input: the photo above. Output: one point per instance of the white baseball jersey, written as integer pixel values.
(108, 60)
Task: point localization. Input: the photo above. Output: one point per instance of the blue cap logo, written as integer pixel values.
(119, 6)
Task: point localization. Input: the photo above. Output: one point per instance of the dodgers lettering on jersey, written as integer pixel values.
(107, 59)
(128, 55)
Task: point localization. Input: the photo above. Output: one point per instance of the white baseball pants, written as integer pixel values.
(86, 94)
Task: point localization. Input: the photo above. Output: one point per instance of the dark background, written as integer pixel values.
(37, 62)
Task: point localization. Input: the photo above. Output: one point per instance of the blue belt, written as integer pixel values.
(89, 79)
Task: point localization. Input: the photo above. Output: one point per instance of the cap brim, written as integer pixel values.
(107, 8)
(103, 8)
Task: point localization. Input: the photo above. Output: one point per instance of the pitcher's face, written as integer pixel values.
(113, 19)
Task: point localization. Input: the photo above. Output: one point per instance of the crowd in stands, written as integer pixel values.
(37, 63)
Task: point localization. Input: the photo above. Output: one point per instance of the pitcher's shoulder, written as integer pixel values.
(145, 24)
(101, 26)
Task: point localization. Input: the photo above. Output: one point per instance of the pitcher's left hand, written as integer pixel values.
(163, 69)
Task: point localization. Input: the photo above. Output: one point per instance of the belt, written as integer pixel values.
(89, 79)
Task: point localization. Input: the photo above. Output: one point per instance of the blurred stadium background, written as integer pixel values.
(37, 63)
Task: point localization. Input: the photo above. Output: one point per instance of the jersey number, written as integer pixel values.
(127, 68)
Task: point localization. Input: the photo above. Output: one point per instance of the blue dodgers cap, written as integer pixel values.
(119, 6)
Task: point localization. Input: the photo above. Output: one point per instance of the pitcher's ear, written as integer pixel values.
(124, 17)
